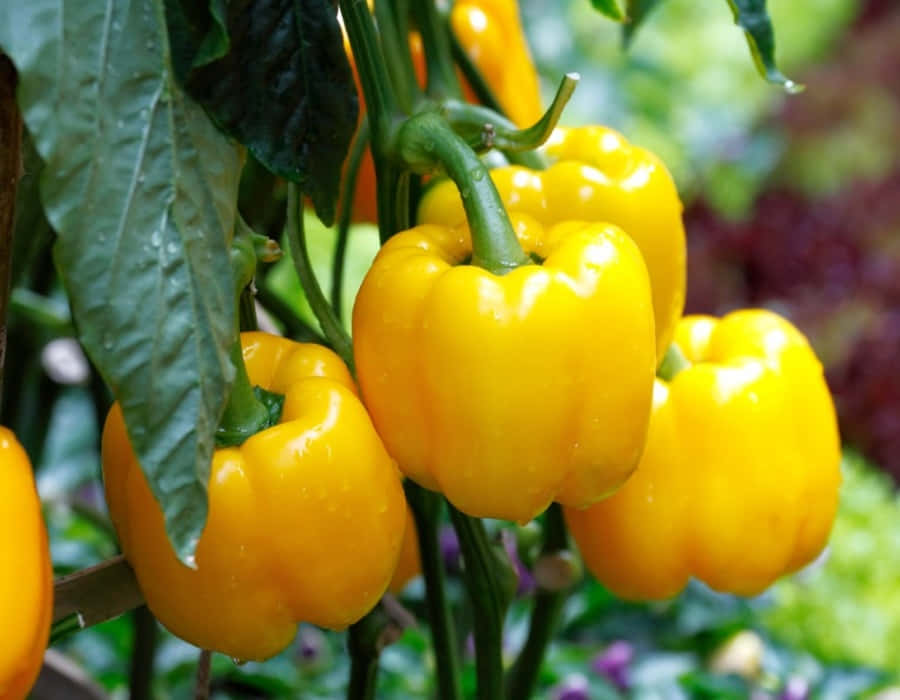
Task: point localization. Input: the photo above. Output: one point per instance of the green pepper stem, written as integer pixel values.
(425, 507)
(489, 585)
(442, 82)
(331, 326)
(672, 363)
(381, 103)
(425, 143)
(395, 47)
(351, 175)
(547, 606)
(362, 644)
(483, 128)
(245, 414)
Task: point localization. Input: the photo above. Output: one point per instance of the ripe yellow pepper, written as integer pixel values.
(598, 176)
(739, 481)
(305, 520)
(509, 392)
(409, 565)
(26, 575)
(491, 34)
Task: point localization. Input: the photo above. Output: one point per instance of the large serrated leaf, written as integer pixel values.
(753, 18)
(141, 188)
(637, 13)
(609, 8)
(283, 87)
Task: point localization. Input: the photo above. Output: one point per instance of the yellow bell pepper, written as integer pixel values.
(409, 564)
(305, 519)
(507, 392)
(26, 575)
(739, 482)
(596, 176)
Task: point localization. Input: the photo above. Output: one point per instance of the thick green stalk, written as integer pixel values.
(427, 143)
(547, 606)
(426, 509)
(331, 326)
(489, 583)
(395, 47)
(245, 414)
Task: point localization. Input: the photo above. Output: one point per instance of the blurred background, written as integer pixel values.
(791, 202)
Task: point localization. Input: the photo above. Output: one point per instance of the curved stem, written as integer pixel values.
(547, 606)
(489, 584)
(354, 160)
(426, 509)
(245, 414)
(331, 325)
(426, 142)
(484, 129)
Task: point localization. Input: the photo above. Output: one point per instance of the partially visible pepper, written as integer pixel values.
(739, 482)
(408, 564)
(306, 518)
(26, 574)
(596, 176)
(508, 392)
(491, 34)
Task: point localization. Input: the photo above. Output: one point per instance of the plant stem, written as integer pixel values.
(426, 509)
(204, 669)
(672, 363)
(426, 142)
(442, 82)
(547, 606)
(351, 174)
(95, 595)
(245, 414)
(489, 584)
(331, 326)
(142, 654)
(296, 327)
(10, 172)
(483, 128)
(395, 46)
(381, 103)
(362, 643)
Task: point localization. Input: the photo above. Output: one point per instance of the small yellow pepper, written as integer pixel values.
(306, 518)
(26, 575)
(739, 481)
(507, 392)
(596, 176)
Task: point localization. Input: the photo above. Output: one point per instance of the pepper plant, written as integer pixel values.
(504, 350)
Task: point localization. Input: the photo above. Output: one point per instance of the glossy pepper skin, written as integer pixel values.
(409, 564)
(596, 175)
(508, 392)
(305, 519)
(26, 575)
(491, 34)
(739, 481)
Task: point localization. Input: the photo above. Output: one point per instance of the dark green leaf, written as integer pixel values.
(141, 188)
(752, 17)
(609, 8)
(284, 86)
(637, 13)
